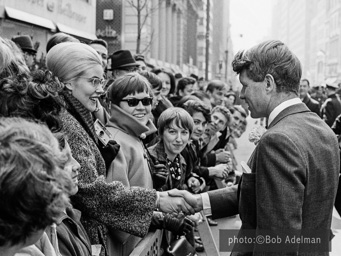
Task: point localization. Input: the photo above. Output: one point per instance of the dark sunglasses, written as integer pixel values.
(134, 102)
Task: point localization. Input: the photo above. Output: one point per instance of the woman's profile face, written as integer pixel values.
(138, 105)
(72, 166)
(175, 139)
(88, 87)
(166, 83)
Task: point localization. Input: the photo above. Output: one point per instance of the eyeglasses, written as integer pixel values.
(134, 102)
(94, 80)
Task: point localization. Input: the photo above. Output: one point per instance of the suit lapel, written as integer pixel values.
(297, 108)
(294, 109)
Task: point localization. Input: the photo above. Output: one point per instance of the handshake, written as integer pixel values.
(179, 201)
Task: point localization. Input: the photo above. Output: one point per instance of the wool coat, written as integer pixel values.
(293, 179)
(103, 204)
(71, 235)
(131, 165)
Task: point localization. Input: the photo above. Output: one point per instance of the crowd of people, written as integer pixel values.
(99, 149)
(96, 149)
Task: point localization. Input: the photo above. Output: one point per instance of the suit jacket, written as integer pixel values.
(294, 178)
(312, 104)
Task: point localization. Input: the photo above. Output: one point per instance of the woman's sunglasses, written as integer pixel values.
(134, 102)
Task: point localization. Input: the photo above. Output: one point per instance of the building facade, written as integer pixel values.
(290, 26)
(222, 48)
(173, 34)
(312, 30)
(42, 18)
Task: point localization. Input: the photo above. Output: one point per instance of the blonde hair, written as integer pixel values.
(71, 59)
(12, 62)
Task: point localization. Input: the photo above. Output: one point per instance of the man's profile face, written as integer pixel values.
(255, 95)
(103, 53)
(304, 89)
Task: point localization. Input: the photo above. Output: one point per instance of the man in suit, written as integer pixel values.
(312, 104)
(294, 168)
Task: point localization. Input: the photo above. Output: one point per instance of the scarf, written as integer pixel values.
(82, 115)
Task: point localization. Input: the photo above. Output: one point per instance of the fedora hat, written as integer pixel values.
(122, 59)
(25, 43)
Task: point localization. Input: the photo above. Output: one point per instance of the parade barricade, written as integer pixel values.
(150, 245)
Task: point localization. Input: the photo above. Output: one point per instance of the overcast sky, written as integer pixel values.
(250, 22)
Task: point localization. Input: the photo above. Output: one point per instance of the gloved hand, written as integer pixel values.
(178, 224)
(160, 174)
(109, 152)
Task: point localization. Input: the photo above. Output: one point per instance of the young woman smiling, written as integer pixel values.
(175, 127)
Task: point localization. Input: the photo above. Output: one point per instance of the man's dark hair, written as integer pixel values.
(139, 57)
(183, 82)
(215, 85)
(306, 80)
(58, 38)
(270, 57)
(154, 80)
(194, 76)
(192, 107)
(100, 41)
(201, 95)
(178, 76)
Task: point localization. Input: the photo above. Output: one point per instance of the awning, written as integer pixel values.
(29, 18)
(75, 32)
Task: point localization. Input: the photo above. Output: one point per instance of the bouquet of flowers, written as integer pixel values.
(256, 133)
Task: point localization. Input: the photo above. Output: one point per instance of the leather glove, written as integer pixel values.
(177, 224)
(109, 152)
(160, 175)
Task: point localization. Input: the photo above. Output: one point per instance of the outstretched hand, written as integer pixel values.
(175, 203)
(194, 201)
